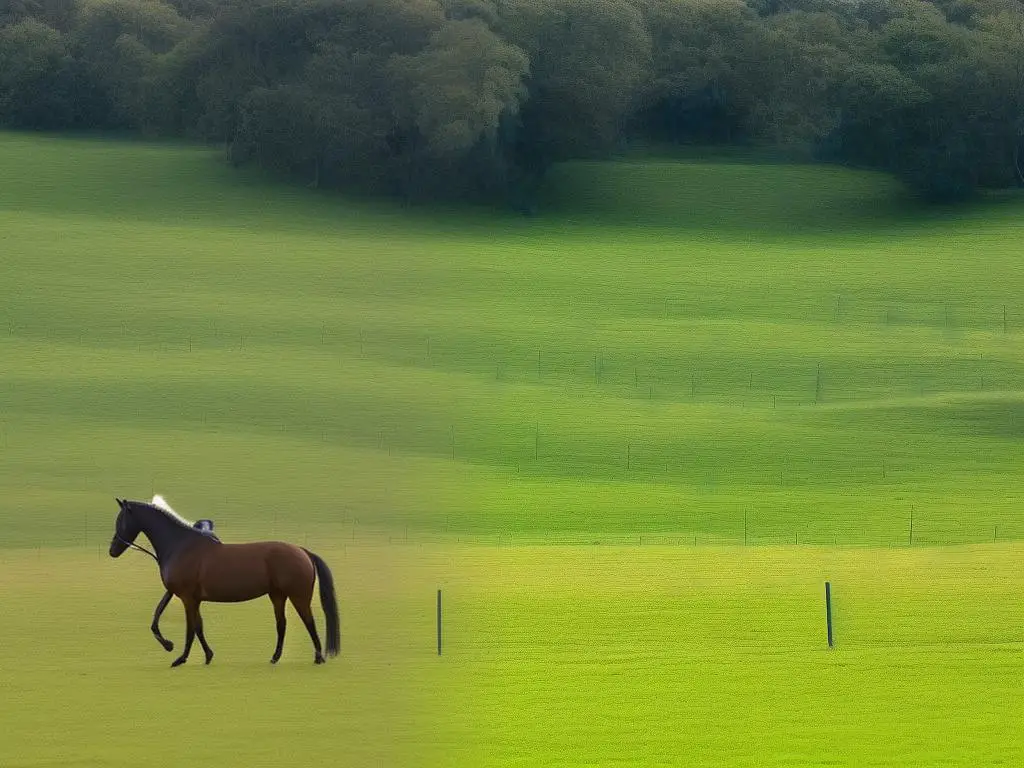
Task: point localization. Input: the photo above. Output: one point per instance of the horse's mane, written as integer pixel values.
(160, 503)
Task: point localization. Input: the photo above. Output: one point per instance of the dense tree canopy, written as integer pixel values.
(471, 97)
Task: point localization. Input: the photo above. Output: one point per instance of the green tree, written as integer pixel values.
(941, 104)
(588, 59)
(694, 90)
(459, 86)
(119, 43)
(35, 77)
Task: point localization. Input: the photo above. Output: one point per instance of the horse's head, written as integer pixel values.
(126, 528)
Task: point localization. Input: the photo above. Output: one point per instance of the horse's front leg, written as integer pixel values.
(191, 614)
(155, 626)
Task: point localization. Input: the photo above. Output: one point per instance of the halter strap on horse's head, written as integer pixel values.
(133, 545)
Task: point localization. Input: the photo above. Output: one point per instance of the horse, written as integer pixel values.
(197, 567)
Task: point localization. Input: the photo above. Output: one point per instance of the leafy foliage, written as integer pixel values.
(470, 97)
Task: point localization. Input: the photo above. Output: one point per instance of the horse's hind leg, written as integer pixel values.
(202, 638)
(279, 602)
(155, 626)
(302, 607)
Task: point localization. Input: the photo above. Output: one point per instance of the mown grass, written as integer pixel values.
(552, 655)
(85, 684)
(718, 656)
(674, 358)
(744, 339)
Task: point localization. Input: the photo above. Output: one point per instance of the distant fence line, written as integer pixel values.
(839, 307)
(809, 378)
(365, 536)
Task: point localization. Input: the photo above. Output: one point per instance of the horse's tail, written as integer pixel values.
(329, 601)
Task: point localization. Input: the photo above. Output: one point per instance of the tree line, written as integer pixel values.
(479, 97)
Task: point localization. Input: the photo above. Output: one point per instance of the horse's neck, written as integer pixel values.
(165, 535)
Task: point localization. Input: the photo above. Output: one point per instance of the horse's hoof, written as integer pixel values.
(168, 645)
(209, 658)
(178, 662)
(274, 659)
(319, 659)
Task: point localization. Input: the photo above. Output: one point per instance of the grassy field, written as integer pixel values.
(739, 379)
(85, 685)
(717, 657)
(553, 655)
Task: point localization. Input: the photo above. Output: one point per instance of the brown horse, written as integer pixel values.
(198, 568)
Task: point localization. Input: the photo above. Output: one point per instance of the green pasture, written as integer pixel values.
(84, 683)
(718, 656)
(736, 378)
(553, 655)
(768, 347)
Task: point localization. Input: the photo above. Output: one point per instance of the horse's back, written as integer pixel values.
(239, 572)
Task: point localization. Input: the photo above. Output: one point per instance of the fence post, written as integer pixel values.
(828, 611)
(439, 622)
